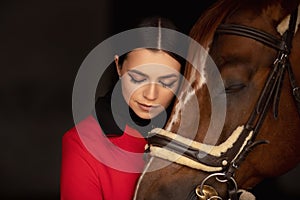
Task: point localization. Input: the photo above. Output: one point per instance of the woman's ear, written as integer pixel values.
(117, 65)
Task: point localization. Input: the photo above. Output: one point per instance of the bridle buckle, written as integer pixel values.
(296, 93)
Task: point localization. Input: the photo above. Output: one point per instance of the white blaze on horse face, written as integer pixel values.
(298, 20)
(198, 58)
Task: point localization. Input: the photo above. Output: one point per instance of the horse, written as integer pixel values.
(255, 46)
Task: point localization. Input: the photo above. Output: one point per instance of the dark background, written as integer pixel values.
(42, 45)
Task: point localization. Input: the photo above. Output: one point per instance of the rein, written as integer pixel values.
(222, 161)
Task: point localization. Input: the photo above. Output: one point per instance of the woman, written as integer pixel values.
(102, 156)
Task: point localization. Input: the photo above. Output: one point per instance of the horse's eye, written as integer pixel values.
(234, 88)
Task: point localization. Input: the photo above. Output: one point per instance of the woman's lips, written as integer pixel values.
(146, 107)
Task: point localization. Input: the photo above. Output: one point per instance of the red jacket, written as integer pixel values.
(95, 166)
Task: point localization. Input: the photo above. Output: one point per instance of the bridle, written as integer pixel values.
(246, 140)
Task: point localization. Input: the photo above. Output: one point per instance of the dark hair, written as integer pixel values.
(161, 40)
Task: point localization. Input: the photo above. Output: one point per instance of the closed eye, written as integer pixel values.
(234, 88)
(136, 77)
(168, 85)
(168, 81)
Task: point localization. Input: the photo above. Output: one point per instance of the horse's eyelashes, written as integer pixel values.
(234, 88)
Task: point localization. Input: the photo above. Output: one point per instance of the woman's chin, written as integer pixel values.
(147, 115)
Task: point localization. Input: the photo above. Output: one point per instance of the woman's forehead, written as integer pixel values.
(152, 58)
(154, 70)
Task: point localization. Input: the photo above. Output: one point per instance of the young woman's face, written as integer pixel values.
(149, 81)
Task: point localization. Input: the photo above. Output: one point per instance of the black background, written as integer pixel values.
(42, 45)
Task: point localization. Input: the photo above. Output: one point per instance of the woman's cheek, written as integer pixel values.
(128, 88)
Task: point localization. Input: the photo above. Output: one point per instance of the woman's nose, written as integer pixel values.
(151, 91)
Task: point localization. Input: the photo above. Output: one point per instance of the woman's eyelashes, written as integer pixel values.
(136, 77)
(166, 82)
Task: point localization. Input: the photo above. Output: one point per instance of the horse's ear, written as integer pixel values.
(283, 24)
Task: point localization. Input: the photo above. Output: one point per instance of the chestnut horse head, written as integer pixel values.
(245, 132)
